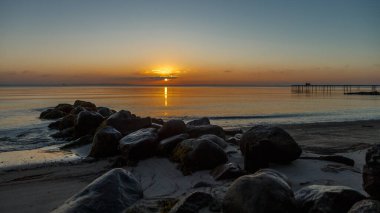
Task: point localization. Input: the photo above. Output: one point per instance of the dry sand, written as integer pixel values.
(46, 186)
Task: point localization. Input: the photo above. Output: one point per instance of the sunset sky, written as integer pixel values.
(194, 42)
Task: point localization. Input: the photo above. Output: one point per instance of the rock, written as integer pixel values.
(192, 203)
(105, 143)
(366, 206)
(65, 133)
(227, 171)
(166, 146)
(85, 104)
(199, 122)
(202, 184)
(326, 199)
(66, 108)
(215, 139)
(233, 140)
(371, 172)
(262, 145)
(171, 128)
(84, 140)
(156, 205)
(52, 114)
(105, 111)
(114, 191)
(265, 191)
(77, 110)
(197, 131)
(63, 123)
(139, 145)
(198, 154)
(87, 122)
(126, 123)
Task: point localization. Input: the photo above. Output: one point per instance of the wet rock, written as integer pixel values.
(227, 171)
(84, 140)
(65, 133)
(85, 104)
(198, 154)
(371, 172)
(262, 145)
(66, 108)
(126, 123)
(197, 131)
(63, 123)
(326, 199)
(199, 122)
(52, 114)
(192, 203)
(166, 146)
(105, 111)
(171, 128)
(215, 139)
(366, 206)
(87, 122)
(105, 143)
(265, 191)
(233, 140)
(139, 145)
(114, 191)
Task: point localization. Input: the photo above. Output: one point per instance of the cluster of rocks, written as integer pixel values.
(199, 145)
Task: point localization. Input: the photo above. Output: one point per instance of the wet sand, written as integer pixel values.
(43, 188)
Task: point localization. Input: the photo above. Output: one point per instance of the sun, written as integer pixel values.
(166, 79)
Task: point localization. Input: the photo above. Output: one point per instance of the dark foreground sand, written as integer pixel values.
(44, 188)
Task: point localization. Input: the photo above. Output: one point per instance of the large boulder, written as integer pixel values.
(171, 128)
(85, 104)
(326, 199)
(87, 122)
(167, 145)
(197, 131)
(192, 203)
(262, 145)
(114, 191)
(139, 145)
(105, 143)
(366, 206)
(371, 172)
(198, 154)
(52, 114)
(199, 122)
(265, 191)
(77, 110)
(125, 122)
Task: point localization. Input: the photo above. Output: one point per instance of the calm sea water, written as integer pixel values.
(20, 107)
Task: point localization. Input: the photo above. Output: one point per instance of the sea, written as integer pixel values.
(21, 128)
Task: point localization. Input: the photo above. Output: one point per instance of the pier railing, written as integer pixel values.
(346, 89)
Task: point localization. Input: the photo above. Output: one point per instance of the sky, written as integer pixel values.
(189, 42)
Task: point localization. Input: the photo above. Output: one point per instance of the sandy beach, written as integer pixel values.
(46, 186)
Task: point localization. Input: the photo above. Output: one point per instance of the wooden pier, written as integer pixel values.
(346, 89)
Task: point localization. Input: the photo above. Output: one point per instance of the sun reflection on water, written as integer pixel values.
(166, 96)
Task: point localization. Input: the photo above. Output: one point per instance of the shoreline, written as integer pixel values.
(24, 189)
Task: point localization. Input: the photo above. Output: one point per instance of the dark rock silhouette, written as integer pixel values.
(265, 191)
(371, 172)
(166, 146)
(87, 122)
(327, 199)
(105, 143)
(114, 191)
(171, 128)
(52, 114)
(85, 104)
(227, 171)
(197, 131)
(125, 122)
(192, 203)
(199, 122)
(139, 145)
(366, 206)
(262, 145)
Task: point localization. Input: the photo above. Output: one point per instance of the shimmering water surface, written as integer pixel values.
(20, 107)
